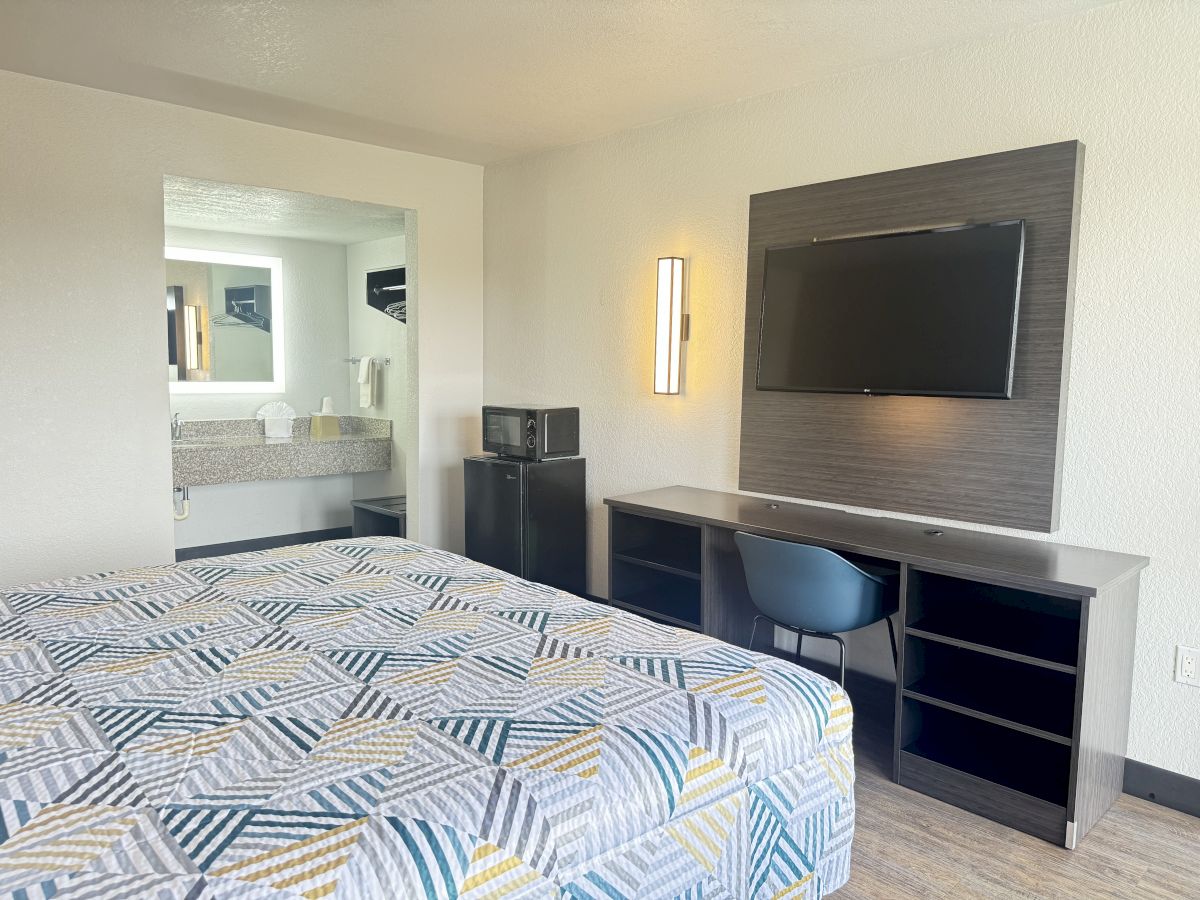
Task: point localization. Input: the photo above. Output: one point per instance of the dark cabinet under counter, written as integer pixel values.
(529, 518)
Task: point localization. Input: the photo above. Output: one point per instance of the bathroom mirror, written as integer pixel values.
(224, 322)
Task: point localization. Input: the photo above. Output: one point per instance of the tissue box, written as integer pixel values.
(324, 427)
(277, 426)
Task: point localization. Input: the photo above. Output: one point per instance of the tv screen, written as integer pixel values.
(924, 313)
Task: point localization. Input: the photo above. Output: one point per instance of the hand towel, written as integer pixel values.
(366, 382)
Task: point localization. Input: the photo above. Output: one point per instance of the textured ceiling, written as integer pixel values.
(478, 80)
(212, 205)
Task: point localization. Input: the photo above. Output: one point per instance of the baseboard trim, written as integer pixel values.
(265, 543)
(1162, 786)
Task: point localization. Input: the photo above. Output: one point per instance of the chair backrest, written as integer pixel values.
(809, 587)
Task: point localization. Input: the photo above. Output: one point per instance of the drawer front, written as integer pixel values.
(985, 798)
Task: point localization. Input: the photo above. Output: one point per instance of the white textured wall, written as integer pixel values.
(85, 480)
(315, 324)
(374, 334)
(571, 239)
(221, 513)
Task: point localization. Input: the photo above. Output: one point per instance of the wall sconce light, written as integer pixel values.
(671, 326)
(191, 326)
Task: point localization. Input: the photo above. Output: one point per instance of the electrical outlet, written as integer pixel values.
(1187, 665)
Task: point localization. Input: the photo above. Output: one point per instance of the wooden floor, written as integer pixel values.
(910, 845)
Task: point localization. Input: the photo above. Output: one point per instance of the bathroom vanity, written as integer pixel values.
(225, 451)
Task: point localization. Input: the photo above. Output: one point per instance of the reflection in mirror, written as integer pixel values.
(224, 321)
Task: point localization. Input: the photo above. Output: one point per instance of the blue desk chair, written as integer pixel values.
(815, 592)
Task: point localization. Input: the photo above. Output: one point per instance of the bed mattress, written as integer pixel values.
(374, 718)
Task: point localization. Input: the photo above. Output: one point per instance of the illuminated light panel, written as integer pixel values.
(668, 329)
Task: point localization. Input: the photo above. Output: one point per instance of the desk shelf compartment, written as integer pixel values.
(655, 568)
(1016, 695)
(672, 547)
(1018, 779)
(672, 599)
(1038, 629)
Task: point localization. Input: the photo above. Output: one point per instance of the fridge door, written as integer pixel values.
(494, 519)
(556, 524)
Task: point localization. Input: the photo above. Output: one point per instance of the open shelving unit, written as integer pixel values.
(988, 706)
(655, 569)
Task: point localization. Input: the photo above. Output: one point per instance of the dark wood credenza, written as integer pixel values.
(1016, 656)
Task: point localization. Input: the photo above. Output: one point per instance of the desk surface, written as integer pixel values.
(1040, 565)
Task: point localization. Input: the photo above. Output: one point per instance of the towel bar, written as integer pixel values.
(386, 360)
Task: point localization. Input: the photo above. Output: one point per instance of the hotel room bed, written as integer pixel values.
(374, 718)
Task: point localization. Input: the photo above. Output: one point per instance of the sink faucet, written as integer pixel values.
(176, 427)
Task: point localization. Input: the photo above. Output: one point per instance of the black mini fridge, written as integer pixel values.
(529, 518)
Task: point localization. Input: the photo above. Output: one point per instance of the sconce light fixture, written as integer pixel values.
(191, 327)
(671, 326)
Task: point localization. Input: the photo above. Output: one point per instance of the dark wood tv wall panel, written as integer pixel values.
(991, 461)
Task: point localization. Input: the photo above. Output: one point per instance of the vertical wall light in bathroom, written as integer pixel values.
(191, 324)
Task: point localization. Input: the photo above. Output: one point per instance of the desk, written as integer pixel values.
(1016, 656)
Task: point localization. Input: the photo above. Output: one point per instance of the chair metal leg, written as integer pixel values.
(753, 632)
(892, 636)
(841, 659)
(802, 633)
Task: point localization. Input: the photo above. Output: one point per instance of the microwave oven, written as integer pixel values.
(531, 432)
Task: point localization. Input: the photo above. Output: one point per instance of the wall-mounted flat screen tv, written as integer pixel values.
(930, 312)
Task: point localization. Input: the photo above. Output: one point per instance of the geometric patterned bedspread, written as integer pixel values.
(373, 718)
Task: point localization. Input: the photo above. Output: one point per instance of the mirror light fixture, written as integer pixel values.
(671, 326)
(194, 324)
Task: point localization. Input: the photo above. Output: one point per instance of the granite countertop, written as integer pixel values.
(262, 440)
(225, 451)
